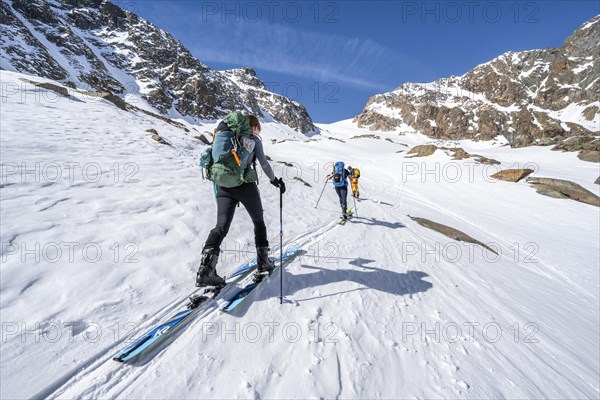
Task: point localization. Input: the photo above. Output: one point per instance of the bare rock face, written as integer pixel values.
(450, 232)
(520, 95)
(563, 189)
(597, 181)
(578, 143)
(96, 45)
(512, 175)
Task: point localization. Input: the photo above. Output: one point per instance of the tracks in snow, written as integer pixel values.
(99, 376)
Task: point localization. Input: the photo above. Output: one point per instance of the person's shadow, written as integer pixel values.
(369, 278)
(377, 222)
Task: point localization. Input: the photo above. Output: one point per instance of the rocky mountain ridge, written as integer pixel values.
(96, 45)
(530, 97)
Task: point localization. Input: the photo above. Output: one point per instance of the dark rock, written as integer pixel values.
(471, 106)
(589, 155)
(578, 143)
(450, 232)
(559, 188)
(63, 91)
(422, 150)
(512, 175)
(303, 181)
(84, 32)
(160, 139)
(485, 160)
(460, 154)
(366, 136)
(116, 100)
(203, 139)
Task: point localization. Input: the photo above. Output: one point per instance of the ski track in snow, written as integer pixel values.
(98, 376)
(354, 294)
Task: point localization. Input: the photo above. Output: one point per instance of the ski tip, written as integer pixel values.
(293, 248)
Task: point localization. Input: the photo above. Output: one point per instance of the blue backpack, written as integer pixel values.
(339, 174)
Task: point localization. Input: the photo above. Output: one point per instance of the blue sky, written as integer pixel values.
(333, 55)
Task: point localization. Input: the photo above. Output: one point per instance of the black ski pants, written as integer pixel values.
(227, 200)
(342, 192)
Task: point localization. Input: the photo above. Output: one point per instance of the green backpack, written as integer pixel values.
(227, 162)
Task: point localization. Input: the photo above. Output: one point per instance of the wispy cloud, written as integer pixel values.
(286, 49)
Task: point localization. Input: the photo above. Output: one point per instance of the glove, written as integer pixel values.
(279, 184)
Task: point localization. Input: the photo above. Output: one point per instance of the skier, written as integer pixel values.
(340, 182)
(228, 198)
(354, 175)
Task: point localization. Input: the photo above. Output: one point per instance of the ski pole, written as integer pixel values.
(280, 246)
(355, 210)
(322, 193)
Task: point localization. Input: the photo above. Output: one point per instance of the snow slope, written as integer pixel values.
(380, 307)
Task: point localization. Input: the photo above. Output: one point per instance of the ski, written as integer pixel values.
(158, 334)
(244, 293)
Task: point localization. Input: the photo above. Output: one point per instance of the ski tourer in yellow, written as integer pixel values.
(354, 175)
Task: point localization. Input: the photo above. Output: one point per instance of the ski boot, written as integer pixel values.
(264, 265)
(207, 275)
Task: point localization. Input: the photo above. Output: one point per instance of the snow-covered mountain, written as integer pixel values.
(97, 45)
(104, 212)
(102, 227)
(530, 97)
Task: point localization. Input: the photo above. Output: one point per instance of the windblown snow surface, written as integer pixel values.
(102, 229)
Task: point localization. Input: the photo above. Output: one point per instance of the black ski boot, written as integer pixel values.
(207, 275)
(263, 263)
(344, 214)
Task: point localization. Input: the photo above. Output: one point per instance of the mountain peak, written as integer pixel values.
(530, 97)
(97, 45)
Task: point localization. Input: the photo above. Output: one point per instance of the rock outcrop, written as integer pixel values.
(450, 232)
(563, 189)
(512, 175)
(95, 45)
(537, 97)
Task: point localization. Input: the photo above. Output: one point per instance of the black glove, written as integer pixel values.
(279, 184)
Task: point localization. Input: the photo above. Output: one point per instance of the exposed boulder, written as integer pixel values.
(562, 189)
(485, 160)
(460, 154)
(303, 181)
(578, 143)
(203, 139)
(589, 155)
(512, 175)
(366, 136)
(61, 90)
(450, 232)
(160, 140)
(423, 150)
